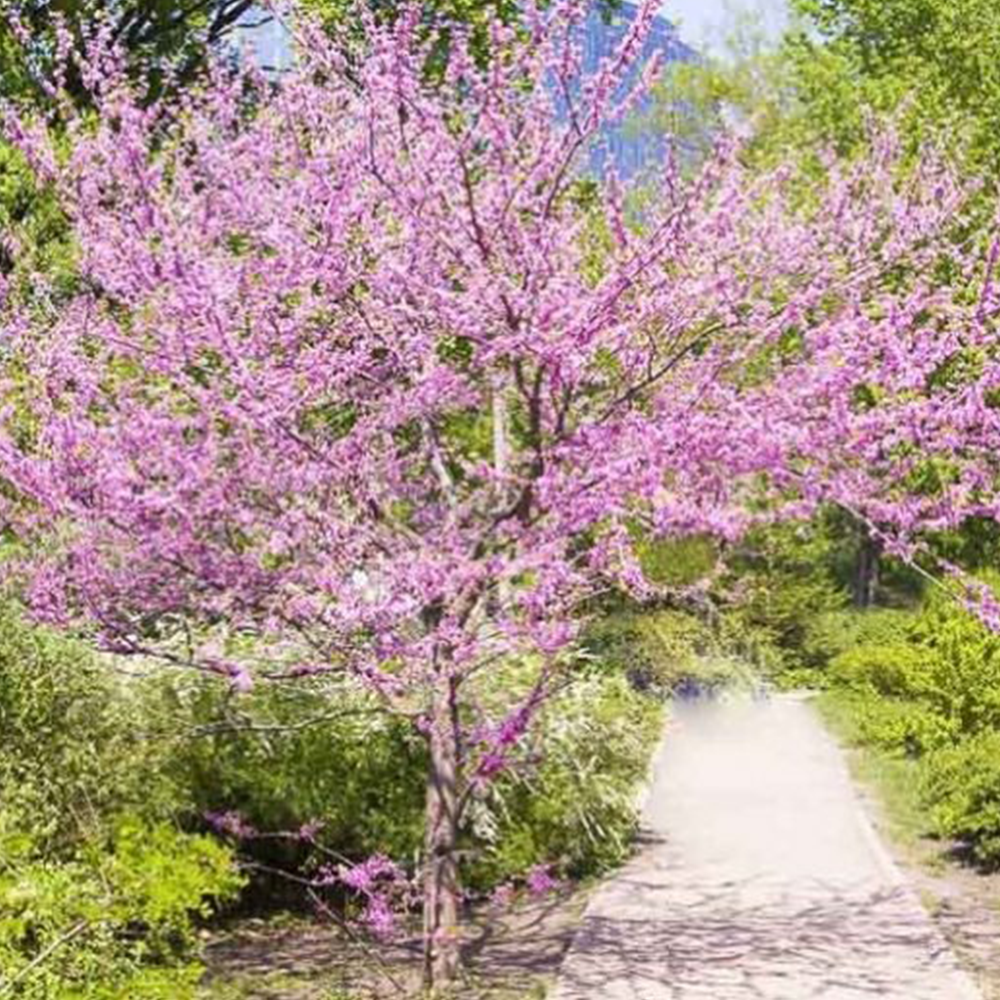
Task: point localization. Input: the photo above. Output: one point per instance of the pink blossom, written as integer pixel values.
(541, 882)
(230, 823)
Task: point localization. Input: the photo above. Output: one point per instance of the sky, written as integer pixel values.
(703, 22)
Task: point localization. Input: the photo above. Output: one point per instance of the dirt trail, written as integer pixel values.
(760, 879)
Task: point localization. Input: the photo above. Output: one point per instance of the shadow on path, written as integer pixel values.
(758, 879)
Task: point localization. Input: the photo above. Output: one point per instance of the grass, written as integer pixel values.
(891, 778)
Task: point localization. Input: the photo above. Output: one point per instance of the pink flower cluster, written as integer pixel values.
(377, 881)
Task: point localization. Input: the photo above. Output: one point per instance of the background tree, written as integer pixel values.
(930, 64)
(164, 39)
(938, 57)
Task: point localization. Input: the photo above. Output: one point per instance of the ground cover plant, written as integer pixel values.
(101, 892)
(928, 692)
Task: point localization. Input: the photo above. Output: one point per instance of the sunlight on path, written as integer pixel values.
(761, 879)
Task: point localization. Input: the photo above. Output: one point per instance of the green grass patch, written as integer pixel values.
(889, 776)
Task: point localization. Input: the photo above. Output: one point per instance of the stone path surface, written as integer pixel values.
(760, 879)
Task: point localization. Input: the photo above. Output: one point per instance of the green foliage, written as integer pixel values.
(71, 756)
(101, 893)
(576, 806)
(907, 727)
(892, 671)
(937, 60)
(832, 633)
(894, 777)
(35, 228)
(950, 667)
(656, 649)
(930, 64)
(283, 756)
(116, 921)
(653, 650)
(782, 583)
(927, 686)
(90, 865)
(693, 100)
(962, 784)
(677, 562)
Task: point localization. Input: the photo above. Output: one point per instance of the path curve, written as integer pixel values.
(760, 879)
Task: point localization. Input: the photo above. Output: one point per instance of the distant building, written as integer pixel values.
(629, 148)
(268, 40)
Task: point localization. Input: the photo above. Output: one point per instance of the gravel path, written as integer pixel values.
(760, 879)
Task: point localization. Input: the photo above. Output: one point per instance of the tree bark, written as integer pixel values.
(441, 878)
(501, 466)
(866, 570)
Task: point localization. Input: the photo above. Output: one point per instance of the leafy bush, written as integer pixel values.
(962, 786)
(895, 671)
(676, 562)
(95, 771)
(116, 921)
(966, 665)
(657, 649)
(359, 777)
(286, 755)
(908, 727)
(576, 806)
(950, 666)
(98, 891)
(782, 582)
(72, 753)
(928, 685)
(832, 633)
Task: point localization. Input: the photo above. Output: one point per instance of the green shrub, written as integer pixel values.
(576, 806)
(781, 581)
(928, 685)
(362, 776)
(286, 755)
(116, 921)
(677, 562)
(97, 770)
(658, 648)
(653, 649)
(907, 727)
(966, 683)
(895, 671)
(948, 668)
(961, 784)
(90, 865)
(832, 633)
(72, 752)
(752, 645)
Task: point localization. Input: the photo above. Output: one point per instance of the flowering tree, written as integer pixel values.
(358, 368)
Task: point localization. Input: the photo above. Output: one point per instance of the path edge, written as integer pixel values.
(882, 854)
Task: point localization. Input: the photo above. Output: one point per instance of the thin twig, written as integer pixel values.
(41, 957)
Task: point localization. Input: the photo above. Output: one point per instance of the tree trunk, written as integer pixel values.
(501, 466)
(866, 570)
(441, 880)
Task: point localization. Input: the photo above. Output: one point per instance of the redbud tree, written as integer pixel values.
(360, 367)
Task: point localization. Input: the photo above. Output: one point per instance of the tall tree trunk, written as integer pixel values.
(501, 445)
(866, 569)
(501, 466)
(441, 880)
